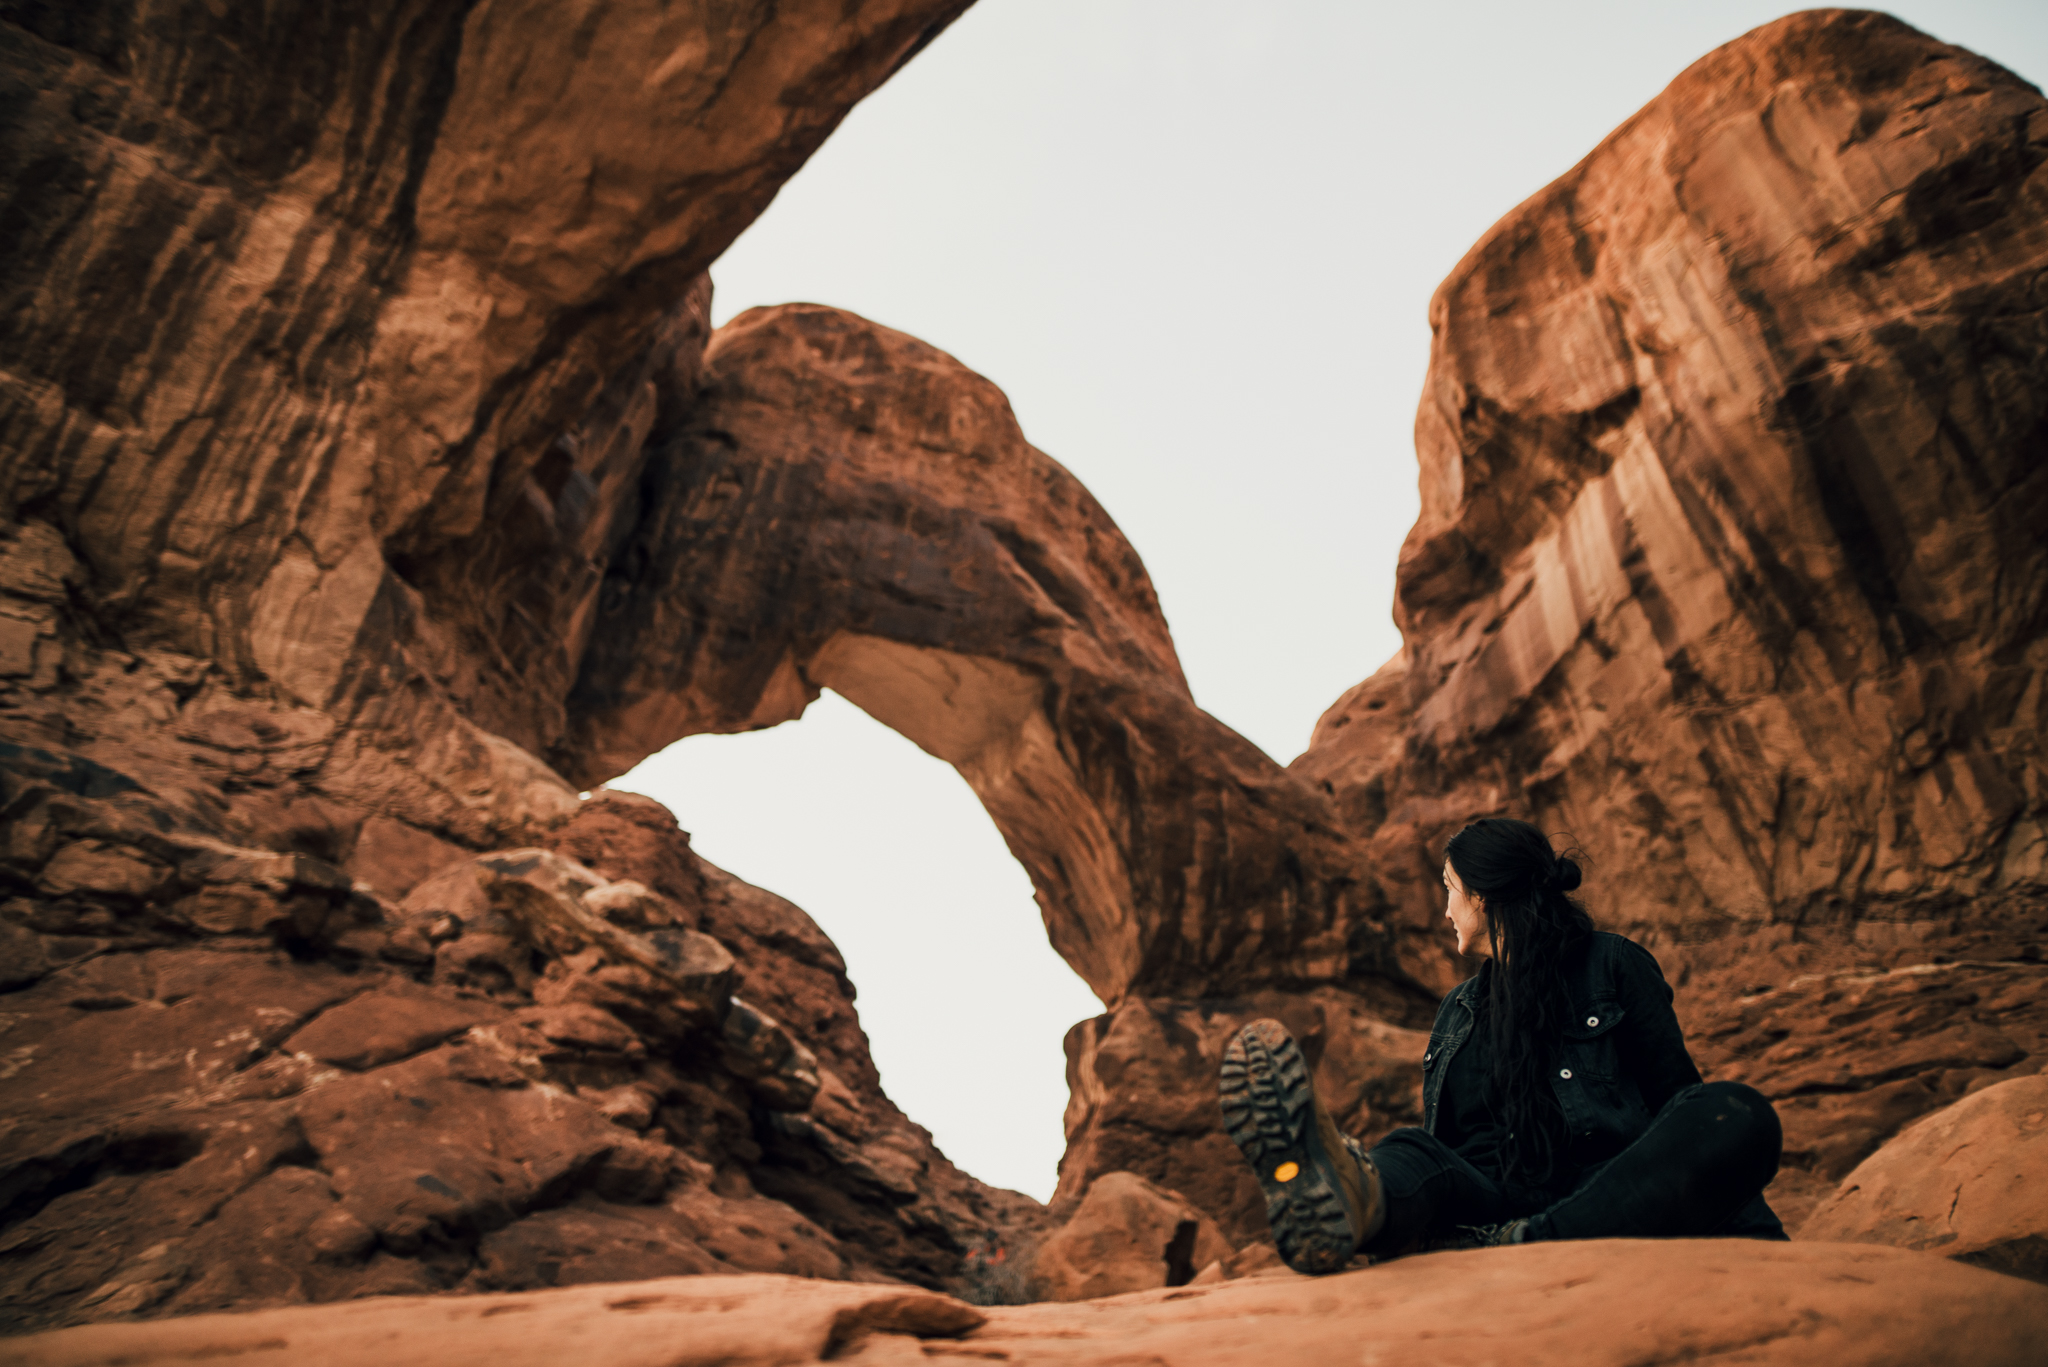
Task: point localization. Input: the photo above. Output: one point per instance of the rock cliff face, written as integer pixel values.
(333, 338)
(1730, 560)
(333, 348)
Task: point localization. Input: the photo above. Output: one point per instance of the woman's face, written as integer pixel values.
(1467, 916)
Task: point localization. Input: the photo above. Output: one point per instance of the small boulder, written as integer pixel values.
(107, 872)
(782, 1072)
(1965, 1182)
(635, 906)
(387, 1023)
(394, 857)
(1126, 1235)
(666, 984)
(22, 957)
(582, 1027)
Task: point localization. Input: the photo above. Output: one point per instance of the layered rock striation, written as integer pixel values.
(234, 1078)
(847, 507)
(333, 339)
(333, 347)
(1730, 559)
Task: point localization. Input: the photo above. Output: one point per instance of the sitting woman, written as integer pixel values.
(1558, 1100)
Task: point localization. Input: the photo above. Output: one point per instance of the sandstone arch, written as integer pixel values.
(848, 507)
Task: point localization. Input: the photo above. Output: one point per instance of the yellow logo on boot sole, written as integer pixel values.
(1286, 1172)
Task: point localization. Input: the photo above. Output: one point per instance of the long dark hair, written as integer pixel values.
(1533, 925)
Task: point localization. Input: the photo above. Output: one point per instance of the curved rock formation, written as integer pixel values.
(1730, 567)
(1730, 559)
(1964, 1183)
(849, 508)
(333, 338)
(333, 343)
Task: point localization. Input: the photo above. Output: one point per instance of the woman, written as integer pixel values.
(1558, 1098)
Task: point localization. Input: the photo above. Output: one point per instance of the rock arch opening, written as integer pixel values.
(963, 1000)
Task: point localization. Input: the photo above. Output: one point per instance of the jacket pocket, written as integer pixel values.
(1589, 1041)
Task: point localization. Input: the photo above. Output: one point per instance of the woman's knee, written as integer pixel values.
(1740, 1123)
(1407, 1158)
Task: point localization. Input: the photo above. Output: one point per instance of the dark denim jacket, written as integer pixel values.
(1621, 1058)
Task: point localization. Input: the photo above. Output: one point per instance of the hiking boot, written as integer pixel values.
(1323, 1196)
(1490, 1236)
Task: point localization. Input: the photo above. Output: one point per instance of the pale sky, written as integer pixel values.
(1194, 242)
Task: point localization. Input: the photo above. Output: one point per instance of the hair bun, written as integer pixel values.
(1564, 876)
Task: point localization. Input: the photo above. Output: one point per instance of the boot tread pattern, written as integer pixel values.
(1269, 1111)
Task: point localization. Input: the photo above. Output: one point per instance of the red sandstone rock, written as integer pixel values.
(1125, 1235)
(384, 1025)
(847, 507)
(1851, 1057)
(919, 628)
(1142, 1084)
(1729, 566)
(1598, 1304)
(193, 1128)
(1729, 559)
(1966, 1182)
(450, 243)
(300, 587)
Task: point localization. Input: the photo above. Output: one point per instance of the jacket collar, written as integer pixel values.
(1471, 993)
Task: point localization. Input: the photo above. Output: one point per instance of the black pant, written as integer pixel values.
(1699, 1169)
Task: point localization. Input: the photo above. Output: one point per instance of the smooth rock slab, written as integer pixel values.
(1587, 1304)
(1968, 1182)
(1610, 1302)
(674, 1322)
(391, 1022)
(1127, 1235)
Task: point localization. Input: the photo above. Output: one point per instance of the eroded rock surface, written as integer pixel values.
(333, 335)
(1964, 1183)
(1774, 1304)
(1730, 560)
(1126, 1234)
(334, 343)
(850, 508)
(537, 1071)
(1851, 1056)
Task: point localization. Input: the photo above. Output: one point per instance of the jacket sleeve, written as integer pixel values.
(1652, 1045)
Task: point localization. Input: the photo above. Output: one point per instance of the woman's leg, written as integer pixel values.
(1322, 1200)
(1431, 1193)
(1707, 1155)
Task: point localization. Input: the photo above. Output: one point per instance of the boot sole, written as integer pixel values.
(1269, 1111)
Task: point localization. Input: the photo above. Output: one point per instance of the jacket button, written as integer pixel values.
(1592, 1020)
(1564, 1072)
